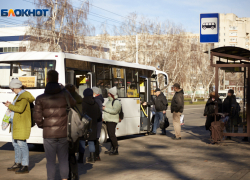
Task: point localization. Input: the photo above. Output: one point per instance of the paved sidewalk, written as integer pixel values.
(155, 157)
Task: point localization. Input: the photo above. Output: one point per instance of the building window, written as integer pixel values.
(1, 49)
(224, 34)
(224, 40)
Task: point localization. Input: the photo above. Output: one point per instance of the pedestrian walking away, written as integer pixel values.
(210, 110)
(99, 100)
(50, 114)
(111, 117)
(74, 147)
(20, 121)
(161, 105)
(177, 107)
(90, 108)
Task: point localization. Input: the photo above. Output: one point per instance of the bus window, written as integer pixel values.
(132, 83)
(32, 74)
(77, 74)
(118, 81)
(103, 78)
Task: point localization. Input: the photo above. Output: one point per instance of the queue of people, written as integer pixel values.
(50, 114)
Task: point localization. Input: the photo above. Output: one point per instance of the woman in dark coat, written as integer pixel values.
(210, 110)
(91, 108)
(74, 148)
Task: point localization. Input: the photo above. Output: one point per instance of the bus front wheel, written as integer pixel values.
(103, 134)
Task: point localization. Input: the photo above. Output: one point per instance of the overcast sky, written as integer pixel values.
(184, 12)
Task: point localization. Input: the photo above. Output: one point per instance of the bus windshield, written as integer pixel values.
(32, 74)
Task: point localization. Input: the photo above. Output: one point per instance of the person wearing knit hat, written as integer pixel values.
(92, 109)
(111, 116)
(15, 84)
(20, 120)
(99, 100)
(113, 91)
(88, 92)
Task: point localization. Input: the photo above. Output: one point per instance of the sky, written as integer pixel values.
(181, 12)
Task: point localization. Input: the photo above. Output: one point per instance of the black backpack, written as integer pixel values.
(121, 114)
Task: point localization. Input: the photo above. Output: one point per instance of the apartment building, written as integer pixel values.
(234, 31)
(15, 39)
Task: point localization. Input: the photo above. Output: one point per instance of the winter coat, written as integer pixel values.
(210, 110)
(99, 100)
(227, 108)
(111, 112)
(50, 111)
(160, 102)
(78, 99)
(22, 116)
(91, 108)
(227, 103)
(177, 104)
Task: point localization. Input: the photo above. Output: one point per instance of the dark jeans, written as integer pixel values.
(57, 147)
(111, 126)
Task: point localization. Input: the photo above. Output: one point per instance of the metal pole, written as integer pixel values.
(224, 86)
(136, 41)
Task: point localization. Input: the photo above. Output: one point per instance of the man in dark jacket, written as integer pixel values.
(99, 100)
(177, 106)
(231, 107)
(161, 105)
(50, 114)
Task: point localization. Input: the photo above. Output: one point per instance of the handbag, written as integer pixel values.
(164, 124)
(6, 119)
(77, 126)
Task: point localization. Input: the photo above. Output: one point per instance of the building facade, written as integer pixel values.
(234, 31)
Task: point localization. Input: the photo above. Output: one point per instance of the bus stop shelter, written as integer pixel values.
(235, 60)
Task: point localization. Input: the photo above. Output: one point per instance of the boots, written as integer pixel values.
(80, 158)
(91, 158)
(115, 152)
(109, 151)
(23, 170)
(97, 151)
(15, 167)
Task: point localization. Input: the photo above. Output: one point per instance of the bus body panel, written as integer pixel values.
(129, 125)
(131, 106)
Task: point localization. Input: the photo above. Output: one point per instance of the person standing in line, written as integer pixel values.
(210, 110)
(111, 116)
(232, 108)
(177, 107)
(20, 121)
(99, 100)
(50, 114)
(161, 105)
(90, 108)
(74, 147)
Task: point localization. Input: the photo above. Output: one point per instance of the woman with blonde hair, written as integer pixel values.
(20, 125)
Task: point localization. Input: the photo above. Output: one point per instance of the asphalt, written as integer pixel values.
(154, 157)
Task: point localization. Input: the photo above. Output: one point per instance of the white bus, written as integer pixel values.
(134, 82)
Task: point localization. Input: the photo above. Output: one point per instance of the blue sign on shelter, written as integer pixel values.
(209, 28)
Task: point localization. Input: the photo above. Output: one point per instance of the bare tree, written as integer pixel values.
(65, 29)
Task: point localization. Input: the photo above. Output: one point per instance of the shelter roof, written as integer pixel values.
(232, 53)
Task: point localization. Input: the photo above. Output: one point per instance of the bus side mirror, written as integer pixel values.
(166, 80)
